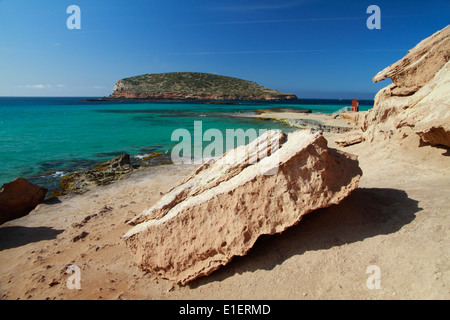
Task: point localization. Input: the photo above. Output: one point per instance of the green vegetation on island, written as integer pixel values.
(194, 85)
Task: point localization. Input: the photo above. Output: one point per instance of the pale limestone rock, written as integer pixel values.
(431, 114)
(350, 139)
(208, 176)
(419, 99)
(353, 117)
(221, 210)
(420, 65)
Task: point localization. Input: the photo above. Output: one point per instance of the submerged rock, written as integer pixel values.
(18, 198)
(224, 207)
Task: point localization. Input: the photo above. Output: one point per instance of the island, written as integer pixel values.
(194, 86)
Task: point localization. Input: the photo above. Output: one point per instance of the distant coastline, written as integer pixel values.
(194, 86)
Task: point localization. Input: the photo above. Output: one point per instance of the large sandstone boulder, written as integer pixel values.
(224, 207)
(418, 102)
(18, 198)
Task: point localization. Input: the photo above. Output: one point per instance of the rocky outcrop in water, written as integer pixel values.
(103, 174)
(18, 198)
(225, 206)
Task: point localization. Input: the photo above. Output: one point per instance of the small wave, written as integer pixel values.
(146, 155)
(140, 156)
(58, 174)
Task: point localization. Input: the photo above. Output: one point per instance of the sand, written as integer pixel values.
(397, 220)
(323, 118)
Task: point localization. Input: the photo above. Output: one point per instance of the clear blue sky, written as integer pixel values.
(313, 48)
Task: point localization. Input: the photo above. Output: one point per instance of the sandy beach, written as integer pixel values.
(397, 219)
(335, 118)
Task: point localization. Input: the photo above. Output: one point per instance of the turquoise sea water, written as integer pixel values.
(45, 138)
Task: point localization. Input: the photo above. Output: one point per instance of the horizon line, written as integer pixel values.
(302, 98)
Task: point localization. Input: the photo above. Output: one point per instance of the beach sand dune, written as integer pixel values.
(396, 220)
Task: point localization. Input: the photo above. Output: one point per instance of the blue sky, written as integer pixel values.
(315, 49)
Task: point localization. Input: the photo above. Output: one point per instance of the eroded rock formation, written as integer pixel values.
(225, 206)
(418, 101)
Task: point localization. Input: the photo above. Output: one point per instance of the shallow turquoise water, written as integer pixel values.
(48, 137)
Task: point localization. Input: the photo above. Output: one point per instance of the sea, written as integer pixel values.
(43, 139)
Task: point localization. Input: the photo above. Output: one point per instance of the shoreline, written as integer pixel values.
(305, 120)
(294, 118)
(51, 179)
(391, 209)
